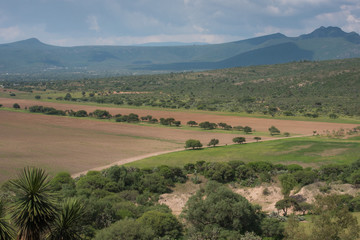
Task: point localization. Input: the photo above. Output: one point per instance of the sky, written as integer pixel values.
(131, 22)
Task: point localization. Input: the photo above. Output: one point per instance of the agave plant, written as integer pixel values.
(34, 208)
(65, 226)
(6, 231)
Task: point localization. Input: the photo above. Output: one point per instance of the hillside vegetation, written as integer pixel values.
(306, 89)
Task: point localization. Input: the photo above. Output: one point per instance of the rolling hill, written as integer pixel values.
(33, 56)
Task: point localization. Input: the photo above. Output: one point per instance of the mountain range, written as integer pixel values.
(33, 56)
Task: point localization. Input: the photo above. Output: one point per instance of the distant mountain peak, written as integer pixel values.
(323, 32)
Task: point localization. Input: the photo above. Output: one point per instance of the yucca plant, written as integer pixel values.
(34, 208)
(65, 226)
(6, 231)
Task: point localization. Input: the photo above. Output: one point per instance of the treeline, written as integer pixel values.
(122, 202)
(134, 118)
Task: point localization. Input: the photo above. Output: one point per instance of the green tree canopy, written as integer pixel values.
(192, 143)
(217, 207)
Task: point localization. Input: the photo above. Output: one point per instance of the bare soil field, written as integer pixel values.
(75, 145)
(259, 124)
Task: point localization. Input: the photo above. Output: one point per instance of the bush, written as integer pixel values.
(192, 143)
(16, 106)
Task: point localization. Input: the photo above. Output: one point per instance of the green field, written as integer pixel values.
(307, 151)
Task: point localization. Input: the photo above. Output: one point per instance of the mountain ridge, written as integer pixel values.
(32, 55)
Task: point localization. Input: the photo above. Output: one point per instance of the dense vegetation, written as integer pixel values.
(309, 89)
(121, 203)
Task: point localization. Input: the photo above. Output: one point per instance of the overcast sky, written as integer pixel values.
(126, 22)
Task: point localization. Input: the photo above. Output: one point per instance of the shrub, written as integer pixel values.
(192, 143)
(16, 106)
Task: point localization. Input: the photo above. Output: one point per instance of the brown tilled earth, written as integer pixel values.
(73, 144)
(259, 124)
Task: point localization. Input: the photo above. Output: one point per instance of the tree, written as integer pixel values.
(334, 220)
(68, 97)
(126, 229)
(191, 123)
(285, 204)
(34, 208)
(274, 131)
(66, 224)
(239, 140)
(192, 143)
(213, 142)
(286, 134)
(247, 129)
(6, 231)
(37, 97)
(207, 125)
(355, 178)
(101, 114)
(217, 207)
(81, 113)
(16, 106)
(288, 182)
(165, 225)
(257, 139)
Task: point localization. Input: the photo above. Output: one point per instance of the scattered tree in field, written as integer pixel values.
(207, 125)
(177, 123)
(16, 106)
(12, 94)
(34, 208)
(101, 114)
(37, 97)
(273, 111)
(224, 126)
(274, 131)
(239, 140)
(68, 97)
(333, 116)
(239, 128)
(213, 142)
(286, 134)
(191, 123)
(1, 105)
(247, 129)
(192, 143)
(257, 139)
(81, 113)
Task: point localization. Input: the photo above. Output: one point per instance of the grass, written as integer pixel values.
(308, 151)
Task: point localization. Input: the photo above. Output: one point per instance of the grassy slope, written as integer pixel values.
(311, 151)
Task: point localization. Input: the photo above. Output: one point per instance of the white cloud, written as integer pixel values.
(10, 33)
(93, 23)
